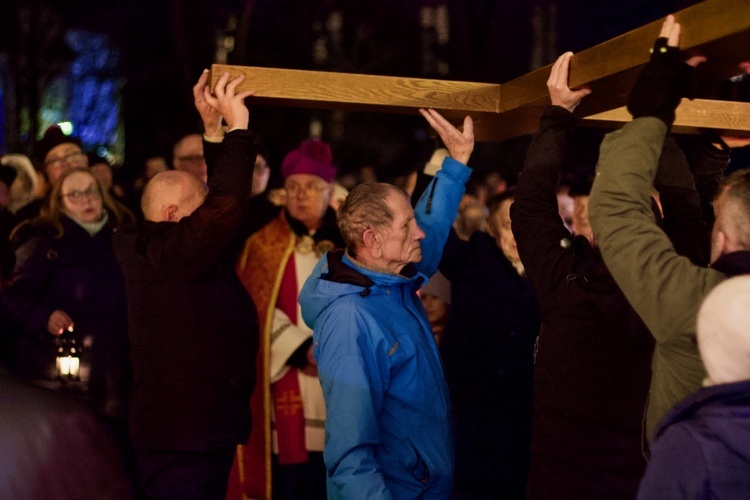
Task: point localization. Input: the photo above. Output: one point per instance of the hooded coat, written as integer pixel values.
(701, 449)
(388, 432)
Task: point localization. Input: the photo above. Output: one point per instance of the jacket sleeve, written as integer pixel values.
(663, 287)
(677, 468)
(193, 245)
(21, 305)
(436, 210)
(354, 380)
(537, 226)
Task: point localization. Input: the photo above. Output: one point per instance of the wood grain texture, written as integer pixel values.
(717, 29)
(722, 117)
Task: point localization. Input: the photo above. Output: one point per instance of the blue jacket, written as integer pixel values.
(701, 449)
(388, 429)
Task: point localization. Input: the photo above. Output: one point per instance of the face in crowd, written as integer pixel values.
(63, 157)
(499, 228)
(81, 197)
(261, 173)
(188, 156)
(308, 197)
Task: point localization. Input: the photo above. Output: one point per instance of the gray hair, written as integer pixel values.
(365, 208)
(736, 211)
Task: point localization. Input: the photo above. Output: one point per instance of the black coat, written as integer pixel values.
(593, 362)
(193, 326)
(488, 349)
(76, 273)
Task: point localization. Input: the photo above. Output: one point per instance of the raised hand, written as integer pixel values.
(209, 114)
(460, 144)
(557, 84)
(665, 79)
(58, 322)
(230, 105)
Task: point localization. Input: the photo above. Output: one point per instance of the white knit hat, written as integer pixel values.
(724, 332)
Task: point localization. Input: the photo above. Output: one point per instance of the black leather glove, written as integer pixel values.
(661, 84)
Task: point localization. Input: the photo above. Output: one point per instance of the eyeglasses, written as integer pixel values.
(309, 189)
(192, 159)
(68, 158)
(77, 197)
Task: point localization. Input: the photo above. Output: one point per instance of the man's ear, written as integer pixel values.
(371, 241)
(169, 213)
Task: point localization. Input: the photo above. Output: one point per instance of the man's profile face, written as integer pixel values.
(307, 198)
(401, 241)
(500, 229)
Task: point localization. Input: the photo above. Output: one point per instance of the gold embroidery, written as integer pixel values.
(306, 245)
(289, 403)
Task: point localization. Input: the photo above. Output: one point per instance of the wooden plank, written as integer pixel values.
(723, 117)
(718, 29)
(362, 92)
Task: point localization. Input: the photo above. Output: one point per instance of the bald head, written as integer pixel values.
(172, 195)
(724, 331)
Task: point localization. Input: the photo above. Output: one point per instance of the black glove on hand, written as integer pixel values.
(661, 84)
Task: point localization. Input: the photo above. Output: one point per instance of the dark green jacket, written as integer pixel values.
(665, 288)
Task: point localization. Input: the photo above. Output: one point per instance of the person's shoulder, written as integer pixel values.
(29, 230)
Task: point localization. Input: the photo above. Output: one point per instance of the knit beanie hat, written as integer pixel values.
(723, 333)
(54, 136)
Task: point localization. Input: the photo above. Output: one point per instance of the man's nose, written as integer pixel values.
(419, 235)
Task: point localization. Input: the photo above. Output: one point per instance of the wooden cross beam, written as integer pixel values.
(718, 29)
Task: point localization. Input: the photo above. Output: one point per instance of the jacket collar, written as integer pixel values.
(733, 263)
(328, 229)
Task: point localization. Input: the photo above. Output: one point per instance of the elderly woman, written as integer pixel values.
(63, 308)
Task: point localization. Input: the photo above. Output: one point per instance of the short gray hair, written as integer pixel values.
(365, 208)
(736, 211)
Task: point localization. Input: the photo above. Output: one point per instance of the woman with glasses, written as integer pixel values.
(63, 309)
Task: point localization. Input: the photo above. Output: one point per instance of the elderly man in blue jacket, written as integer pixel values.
(388, 431)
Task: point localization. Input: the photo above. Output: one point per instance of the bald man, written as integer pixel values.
(701, 449)
(193, 327)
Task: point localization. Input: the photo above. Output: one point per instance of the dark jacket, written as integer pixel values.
(193, 326)
(76, 273)
(487, 351)
(593, 361)
(665, 288)
(701, 449)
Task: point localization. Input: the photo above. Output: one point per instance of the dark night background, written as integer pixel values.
(161, 46)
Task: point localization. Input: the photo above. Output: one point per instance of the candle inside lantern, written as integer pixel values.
(63, 365)
(73, 367)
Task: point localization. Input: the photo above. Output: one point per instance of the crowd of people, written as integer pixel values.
(221, 340)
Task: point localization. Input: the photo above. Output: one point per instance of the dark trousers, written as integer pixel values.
(184, 474)
(300, 481)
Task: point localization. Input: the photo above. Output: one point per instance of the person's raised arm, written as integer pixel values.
(438, 205)
(658, 283)
(210, 116)
(537, 226)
